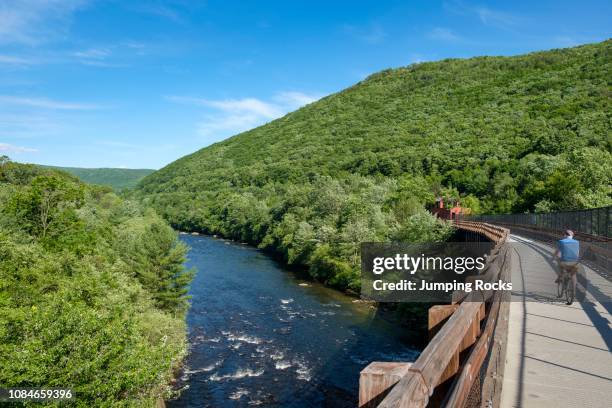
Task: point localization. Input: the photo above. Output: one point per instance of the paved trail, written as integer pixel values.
(557, 355)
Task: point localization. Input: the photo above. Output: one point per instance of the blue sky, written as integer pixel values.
(138, 84)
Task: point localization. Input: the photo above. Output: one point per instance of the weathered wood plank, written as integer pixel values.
(377, 378)
(472, 333)
(462, 386)
(492, 384)
(436, 317)
(414, 393)
(434, 360)
(451, 369)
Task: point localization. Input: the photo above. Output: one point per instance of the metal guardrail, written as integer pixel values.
(593, 228)
(595, 221)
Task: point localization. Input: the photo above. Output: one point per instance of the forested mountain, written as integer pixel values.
(118, 179)
(507, 134)
(92, 290)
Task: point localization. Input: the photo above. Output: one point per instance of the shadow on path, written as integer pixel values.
(570, 368)
(567, 341)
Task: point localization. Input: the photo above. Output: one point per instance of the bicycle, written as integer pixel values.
(566, 285)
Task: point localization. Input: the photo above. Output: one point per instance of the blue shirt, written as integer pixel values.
(570, 249)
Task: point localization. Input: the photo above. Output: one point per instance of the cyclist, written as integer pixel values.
(567, 254)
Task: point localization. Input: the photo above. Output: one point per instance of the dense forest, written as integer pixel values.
(504, 134)
(92, 290)
(118, 179)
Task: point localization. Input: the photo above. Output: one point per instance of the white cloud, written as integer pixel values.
(296, 99)
(161, 10)
(96, 57)
(138, 48)
(177, 11)
(495, 17)
(45, 103)
(15, 61)
(93, 53)
(34, 21)
(229, 116)
(26, 117)
(416, 58)
(94, 63)
(8, 148)
(122, 145)
(226, 125)
(372, 34)
(486, 15)
(27, 125)
(567, 41)
(246, 106)
(443, 34)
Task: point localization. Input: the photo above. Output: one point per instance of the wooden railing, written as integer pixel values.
(448, 368)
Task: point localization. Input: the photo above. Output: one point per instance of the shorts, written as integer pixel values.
(570, 266)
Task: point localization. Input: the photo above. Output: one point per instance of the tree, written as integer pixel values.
(156, 258)
(66, 287)
(47, 206)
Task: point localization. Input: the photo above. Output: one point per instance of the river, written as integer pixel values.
(260, 335)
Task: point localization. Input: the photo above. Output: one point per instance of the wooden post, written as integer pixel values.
(377, 379)
(472, 333)
(437, 316)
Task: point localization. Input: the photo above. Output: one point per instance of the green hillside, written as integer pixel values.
(507, 134)
(118, 179)
(92, 290)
